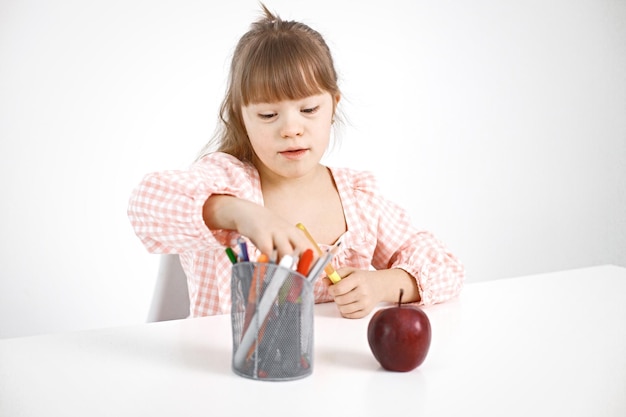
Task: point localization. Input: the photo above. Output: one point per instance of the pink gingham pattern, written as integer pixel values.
(165, 211)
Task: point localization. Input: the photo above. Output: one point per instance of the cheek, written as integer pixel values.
(247, 124)
(259, 143)
(254, 132)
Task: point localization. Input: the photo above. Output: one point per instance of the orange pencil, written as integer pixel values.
(252, 295)
(251, 307)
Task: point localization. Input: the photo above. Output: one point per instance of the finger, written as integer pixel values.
(355, 315)
(266, 246)
(357, 309)
(283, 247)
(345, 272)
(301, 243)
(343, 298)
(352, 311)
(343, 287)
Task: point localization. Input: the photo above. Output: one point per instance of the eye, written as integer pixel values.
(311, 110)
(266, 116)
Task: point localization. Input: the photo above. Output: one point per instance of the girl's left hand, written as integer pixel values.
(357, 293)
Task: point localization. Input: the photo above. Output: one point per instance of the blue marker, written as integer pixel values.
(243, 249)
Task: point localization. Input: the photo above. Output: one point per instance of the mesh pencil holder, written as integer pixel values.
(272, 322)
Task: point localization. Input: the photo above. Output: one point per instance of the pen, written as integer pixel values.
(330, 271)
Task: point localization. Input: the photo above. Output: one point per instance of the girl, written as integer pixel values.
(265, 176)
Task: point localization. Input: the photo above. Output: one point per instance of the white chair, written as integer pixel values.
(171, 297)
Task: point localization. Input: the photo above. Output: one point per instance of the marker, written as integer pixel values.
(330, 271)
(243, 248)
(305, 262)
(303, 267)
(231, 255)
(296, 258)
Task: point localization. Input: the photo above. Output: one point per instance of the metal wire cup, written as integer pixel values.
(272, 322)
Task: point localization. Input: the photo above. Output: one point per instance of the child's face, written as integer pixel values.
(289, 137)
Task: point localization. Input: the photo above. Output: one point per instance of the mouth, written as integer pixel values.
(294, 153)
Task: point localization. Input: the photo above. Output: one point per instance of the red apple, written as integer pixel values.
(399, 336)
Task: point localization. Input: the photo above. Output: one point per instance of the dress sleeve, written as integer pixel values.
(165, 209)
(399, 244)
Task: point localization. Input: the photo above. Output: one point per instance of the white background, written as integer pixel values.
(500, 125)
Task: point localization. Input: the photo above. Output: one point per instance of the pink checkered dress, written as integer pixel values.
(165, 211)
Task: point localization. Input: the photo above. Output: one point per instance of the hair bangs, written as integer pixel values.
(283, 70)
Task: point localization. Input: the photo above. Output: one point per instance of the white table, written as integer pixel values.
(548, 345)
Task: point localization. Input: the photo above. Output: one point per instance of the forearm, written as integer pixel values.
(166, 209)
(391, 280)
(438, 272)
(219, 212)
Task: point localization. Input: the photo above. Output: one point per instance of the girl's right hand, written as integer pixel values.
(264, 228)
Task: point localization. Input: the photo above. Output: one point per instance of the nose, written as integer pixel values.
(291, 127)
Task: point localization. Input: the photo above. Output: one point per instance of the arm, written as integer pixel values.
(436, 276)
(166, 208)
(438, 273)
(205, 207)
(403, 257)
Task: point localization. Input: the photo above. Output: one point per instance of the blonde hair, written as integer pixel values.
(275, 60)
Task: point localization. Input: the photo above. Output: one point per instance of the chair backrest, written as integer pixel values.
(171, 297)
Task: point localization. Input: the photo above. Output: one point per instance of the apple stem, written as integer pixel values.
(400, 297)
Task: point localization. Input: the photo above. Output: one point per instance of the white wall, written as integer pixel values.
(500, 125)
